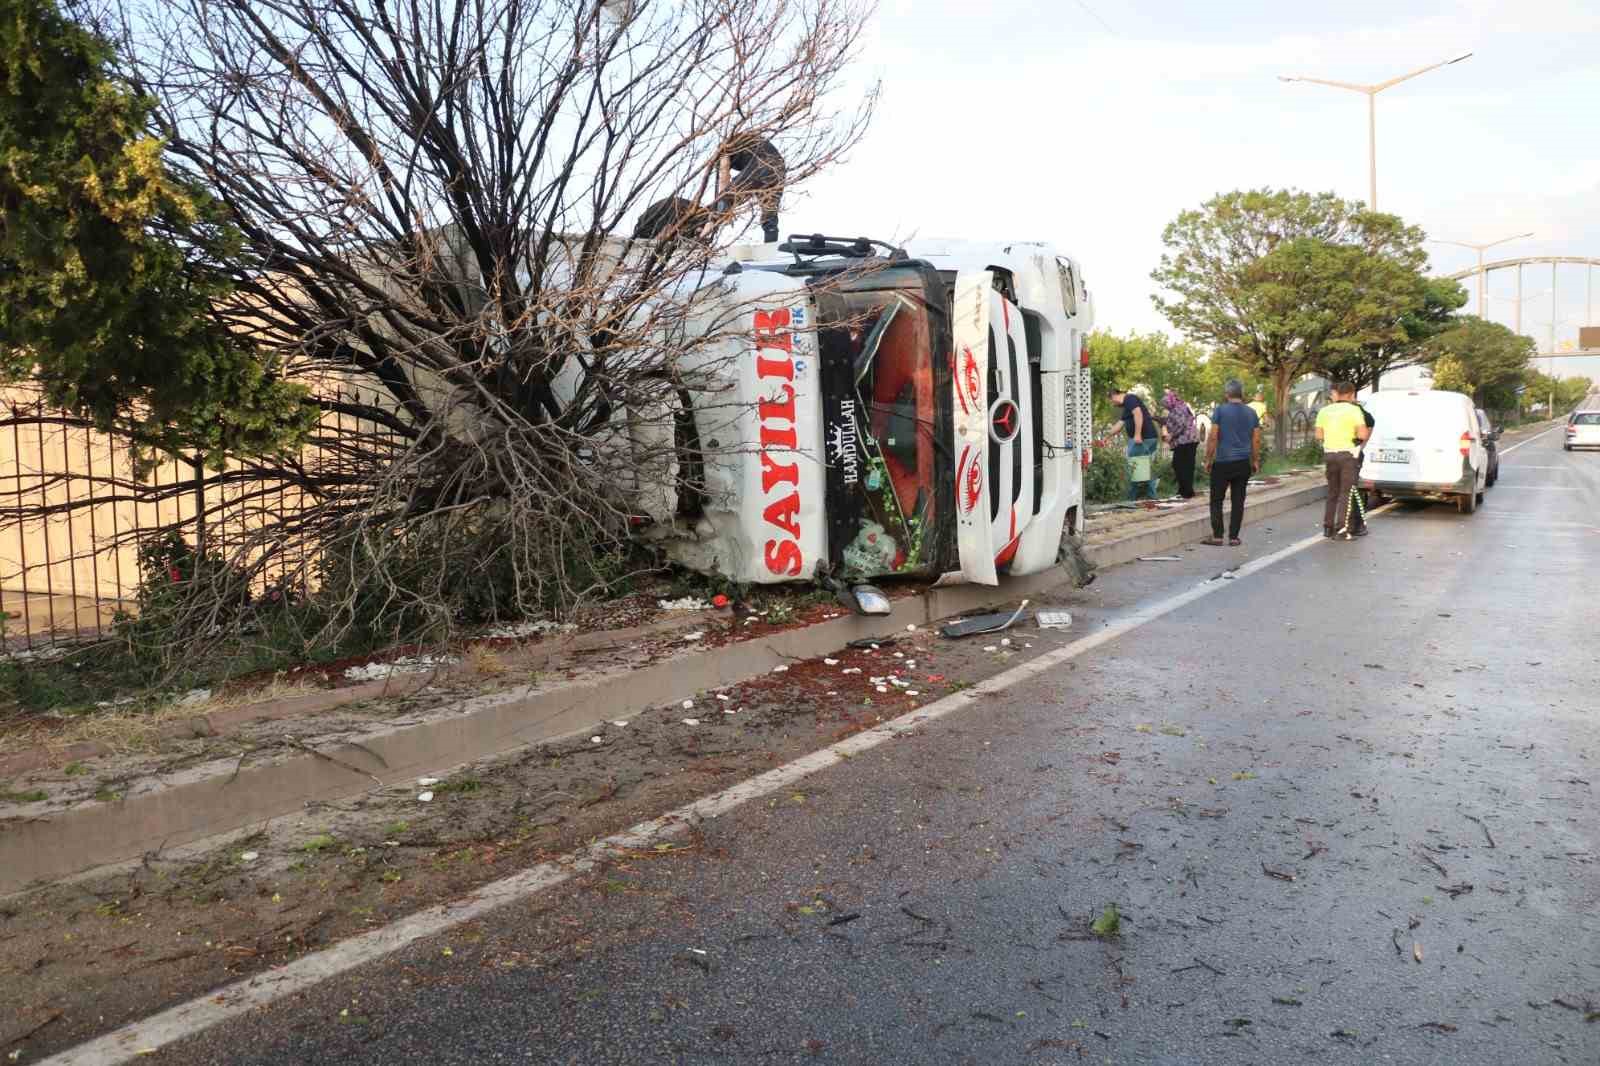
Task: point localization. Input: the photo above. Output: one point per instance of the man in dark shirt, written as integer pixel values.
(1142, 441)
(1233, 453)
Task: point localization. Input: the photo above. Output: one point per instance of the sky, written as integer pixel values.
(1091, 124)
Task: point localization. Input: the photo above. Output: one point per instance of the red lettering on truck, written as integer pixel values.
(774, 346)
(783, 557)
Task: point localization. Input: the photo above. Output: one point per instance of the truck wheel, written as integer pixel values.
(1467, 502)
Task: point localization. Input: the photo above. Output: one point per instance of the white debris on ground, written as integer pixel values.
(427, 782)
(424, 797)
(406, 664)
(537, 628)
(48, 653)
(691, 721)
(193, 696)
(684, 603)
(696, 635)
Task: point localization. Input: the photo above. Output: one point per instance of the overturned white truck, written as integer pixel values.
(877, 411)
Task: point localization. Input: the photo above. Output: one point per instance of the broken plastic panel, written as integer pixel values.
(870, 600)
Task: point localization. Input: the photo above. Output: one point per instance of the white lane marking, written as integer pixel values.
(1530, 440)
(213, 1008)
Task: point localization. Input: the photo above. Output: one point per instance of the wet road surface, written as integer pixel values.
(1345, 806)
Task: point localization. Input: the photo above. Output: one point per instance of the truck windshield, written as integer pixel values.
(881, 416)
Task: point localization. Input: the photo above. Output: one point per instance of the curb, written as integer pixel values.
(42, 844)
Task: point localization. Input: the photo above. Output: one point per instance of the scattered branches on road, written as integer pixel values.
(1486, 834)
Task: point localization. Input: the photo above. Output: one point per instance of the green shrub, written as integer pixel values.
(1308, 454)
(1106, 480)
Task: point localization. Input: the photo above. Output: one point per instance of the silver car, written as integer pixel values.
(1583, 430)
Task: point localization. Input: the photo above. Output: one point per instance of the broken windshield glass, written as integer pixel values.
(882, 396)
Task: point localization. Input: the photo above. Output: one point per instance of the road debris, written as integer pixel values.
(405, 664)
(1161, 558)
(983, 623)
(1455, 890)
(1279, 875)
(1109, 924)
(684, 603)
(1202, 964)
(1425, 857)
(1486, 834)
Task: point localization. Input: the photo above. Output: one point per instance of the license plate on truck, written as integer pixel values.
(1393, 455)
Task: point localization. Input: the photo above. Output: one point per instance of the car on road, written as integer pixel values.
(1491, 444)
(1426, 444)
(1583, 430)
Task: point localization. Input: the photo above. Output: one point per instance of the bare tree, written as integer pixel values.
(477, 228)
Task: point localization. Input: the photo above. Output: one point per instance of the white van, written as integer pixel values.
(1426, 445)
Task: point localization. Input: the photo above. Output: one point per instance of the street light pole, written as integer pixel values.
(1372, 151)
(1372, 92)
(1552, 359)
(1483, 296)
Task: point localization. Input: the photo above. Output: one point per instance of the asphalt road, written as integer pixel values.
(1346, 807)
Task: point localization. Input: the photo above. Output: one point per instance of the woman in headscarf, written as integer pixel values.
(1183, 434)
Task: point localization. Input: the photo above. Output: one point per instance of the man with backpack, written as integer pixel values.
(1341, 429)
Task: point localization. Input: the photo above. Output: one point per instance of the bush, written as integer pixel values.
(1308, 454)
(421, 582)
(185, 598)
(1106, 480)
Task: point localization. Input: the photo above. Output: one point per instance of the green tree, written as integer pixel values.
(1483, 359)
(1365, 366)
(1287, 281)
(1567, 393)
(1157, 361)
(110, 279)
(1449, 375)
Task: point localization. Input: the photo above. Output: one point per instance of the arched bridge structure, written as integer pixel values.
(1567, 300)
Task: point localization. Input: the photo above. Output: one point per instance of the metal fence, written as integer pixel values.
(74, 512)
(1302, 427)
